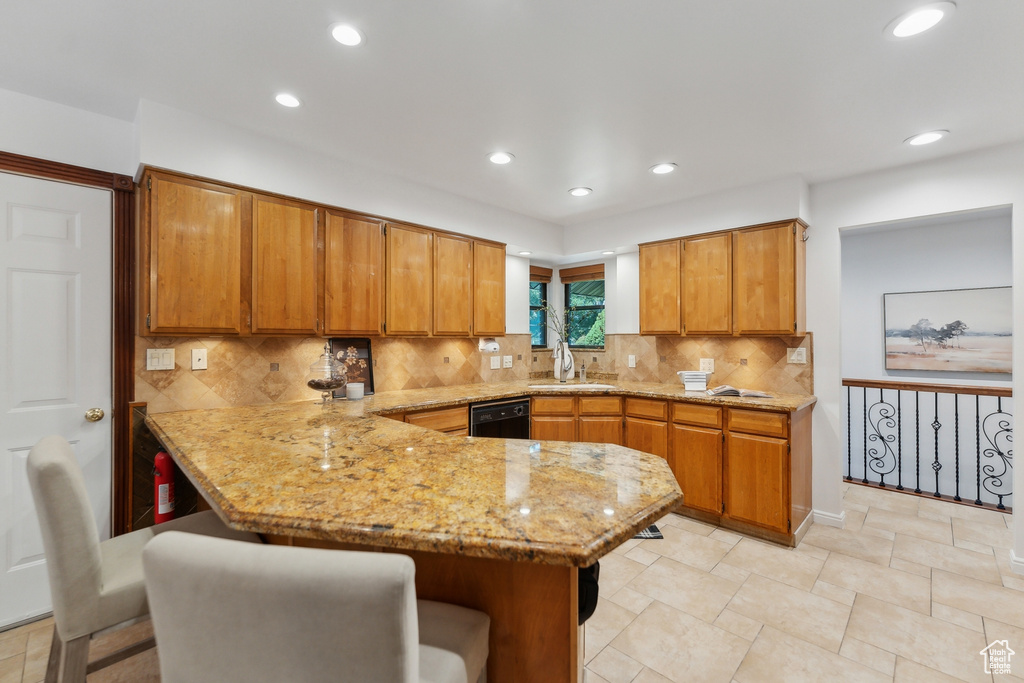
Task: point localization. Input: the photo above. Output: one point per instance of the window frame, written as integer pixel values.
(542, 308)
(568, 308)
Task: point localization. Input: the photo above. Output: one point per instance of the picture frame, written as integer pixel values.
(952, 330)
(355, 354)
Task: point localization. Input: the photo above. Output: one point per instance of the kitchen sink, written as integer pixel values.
(576, 386)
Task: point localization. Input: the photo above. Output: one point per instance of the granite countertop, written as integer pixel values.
(343, 472)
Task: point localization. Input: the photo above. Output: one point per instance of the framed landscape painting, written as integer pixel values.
(959, 330)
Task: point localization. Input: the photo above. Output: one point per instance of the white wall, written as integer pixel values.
(517, 295)
(959, 251)
(42, 129)
(979, 180)
(626, 304)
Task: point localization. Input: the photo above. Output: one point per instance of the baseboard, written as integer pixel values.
(798, 535)
(829, 519)
(1016, 563)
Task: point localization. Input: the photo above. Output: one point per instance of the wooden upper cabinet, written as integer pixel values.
(488, 289)
(409, 281)
(768, 293)
(707, 284)
(660, 309)
(453, 279)
(194, 249)
(284, 273)
(353, 275)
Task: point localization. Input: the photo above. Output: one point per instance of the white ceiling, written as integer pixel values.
(583, 93)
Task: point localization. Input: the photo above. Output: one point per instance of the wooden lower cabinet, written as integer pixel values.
(454, 421)
(756, 486)
(649, 436)
(697, 463)
(600, 429)
(552, 428)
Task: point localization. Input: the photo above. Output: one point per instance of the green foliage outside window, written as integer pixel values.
(585, 322)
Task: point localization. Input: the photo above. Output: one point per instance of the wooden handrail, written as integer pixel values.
(936, 388)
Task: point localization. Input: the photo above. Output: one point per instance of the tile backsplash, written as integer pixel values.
(256, 370)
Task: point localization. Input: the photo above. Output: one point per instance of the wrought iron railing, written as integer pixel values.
(951, 442)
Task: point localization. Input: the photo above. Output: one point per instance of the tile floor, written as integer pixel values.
(910, 591)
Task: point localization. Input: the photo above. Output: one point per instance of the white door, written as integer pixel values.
(55, 362)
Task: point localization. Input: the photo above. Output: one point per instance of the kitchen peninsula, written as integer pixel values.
(498, 525)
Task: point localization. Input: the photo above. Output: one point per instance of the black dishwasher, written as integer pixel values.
(504, 419)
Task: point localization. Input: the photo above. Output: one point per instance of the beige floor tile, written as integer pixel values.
(775, 562)
(681, 647)
(591, 677)
(958, 617)
(36, 658)
(726, 536)
(995, 630)
(727, 571)
(812, 550)
(631, 600)
(978, 597)
(627, 546)
(908, 671)
(911, 567)
(884, 500)
(971, 545)
(800, 613)
(923, 639)
(700, 594)
(607, 622)
(985, 534)
(13, 643)
(935, 516)
(643, 556)
(776, 657)
(869, 655)
(827, 590)
(969, 512)
(879, 532)
(1013, 582)
(854, 519)
(884, 583)
(683, 546)
(11, 667)
(614, 666)
(738, 625)
(650, 676)
(617, 571)
(691, 525)
(912, 525)
(853, 543)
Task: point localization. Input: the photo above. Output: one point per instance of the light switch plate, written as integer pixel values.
(707, 364)
(198, 359)
(495, 362)
(506, 361)
(797, 355)
(632, 361)
(159, 359)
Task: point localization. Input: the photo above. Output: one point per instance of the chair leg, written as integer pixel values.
(53, 663)
(74, 658)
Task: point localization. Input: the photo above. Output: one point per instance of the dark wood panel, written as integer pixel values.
(937, 388)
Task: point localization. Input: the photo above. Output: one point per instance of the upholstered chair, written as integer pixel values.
(95, 586)
(240, 613)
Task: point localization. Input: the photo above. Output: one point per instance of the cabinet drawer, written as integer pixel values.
(759, 422)
(600, 405)
(552, 405)
(643, 407)
(446, 419)
(704, 416)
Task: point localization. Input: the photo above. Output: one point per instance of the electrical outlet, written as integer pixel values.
(159, 359)
(506, 361)
(495, 362)
(198, 359)
(797, 355)
(707, 364)
(632, 361)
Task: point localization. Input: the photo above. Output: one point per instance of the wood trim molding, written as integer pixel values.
(123, 237)
(936, 388)
(540, 274)
(581, 273)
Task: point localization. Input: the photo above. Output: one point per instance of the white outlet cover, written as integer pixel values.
(495, 362)
(198, 359)
(159, 359)
(797, 355)
(632, 361)
(506, 361)
(707, 364)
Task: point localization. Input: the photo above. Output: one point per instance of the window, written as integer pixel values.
(538, 314)
(585, 302)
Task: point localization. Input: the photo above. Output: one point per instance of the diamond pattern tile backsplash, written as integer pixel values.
(241, 371)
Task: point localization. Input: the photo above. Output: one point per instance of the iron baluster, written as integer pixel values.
(936, 465)
(849, 435)
(917, 446)
(899, 440)
(977, 448)
(864, 399)
(956, 444)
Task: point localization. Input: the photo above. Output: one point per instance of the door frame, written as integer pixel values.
(123, 308)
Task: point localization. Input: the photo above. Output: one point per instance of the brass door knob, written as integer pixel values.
(94, 414)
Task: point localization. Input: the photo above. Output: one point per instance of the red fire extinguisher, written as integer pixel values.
(163, 488)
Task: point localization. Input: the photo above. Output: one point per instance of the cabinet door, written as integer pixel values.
(707, 284)
(600, 429)
(697, 463)
(353, 275)
(284, 277)
(756, 480)
(488, 290)
(408, 281)
(660, 288)
(649, 436)
(764, 262)
(544, 428)
(453, 277)
(442, 420)
(197, 236)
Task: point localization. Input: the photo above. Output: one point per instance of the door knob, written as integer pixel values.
(94, 414)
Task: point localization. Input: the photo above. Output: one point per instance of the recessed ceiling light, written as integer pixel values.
(287, 100)
(662, 169)
(919, 20)
(926, 138)
(500, 157)
(346, 34)
(607, 253)
(580, 191)
(525, 253)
